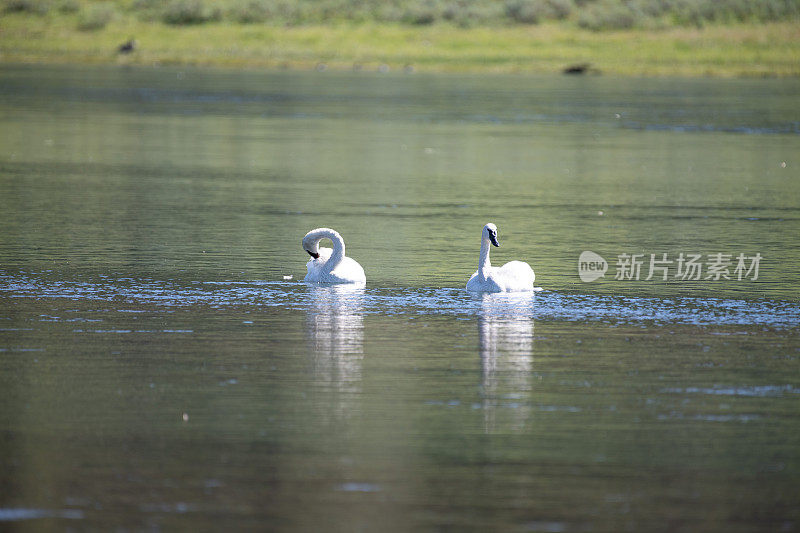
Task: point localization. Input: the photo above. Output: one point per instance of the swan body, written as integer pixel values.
(514, 276)
(330, 265)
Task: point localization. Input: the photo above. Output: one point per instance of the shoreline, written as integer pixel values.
(741, 51)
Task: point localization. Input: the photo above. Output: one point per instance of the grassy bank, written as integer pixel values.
(736, 49)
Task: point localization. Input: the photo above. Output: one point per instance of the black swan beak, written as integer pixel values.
(313, 254)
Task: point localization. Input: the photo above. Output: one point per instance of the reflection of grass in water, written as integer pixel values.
(770, 49)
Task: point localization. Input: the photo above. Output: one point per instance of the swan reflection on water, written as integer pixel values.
(336, 334)
(505, 334)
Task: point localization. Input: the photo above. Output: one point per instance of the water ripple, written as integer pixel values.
(546, 305)
(16, 514)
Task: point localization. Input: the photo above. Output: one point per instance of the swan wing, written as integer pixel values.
(348, 271)
(519, 269)
(516, 276)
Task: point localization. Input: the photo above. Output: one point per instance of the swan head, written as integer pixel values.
(490, 232)
(312, 238)
(311, 244)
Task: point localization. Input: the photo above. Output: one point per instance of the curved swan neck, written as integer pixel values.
(311, 243)
(484, 263)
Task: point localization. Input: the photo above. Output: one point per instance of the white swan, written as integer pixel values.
(330, 266)
(511, 277)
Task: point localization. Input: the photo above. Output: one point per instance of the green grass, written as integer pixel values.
(733, 49)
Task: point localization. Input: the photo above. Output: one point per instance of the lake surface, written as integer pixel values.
(159, 371)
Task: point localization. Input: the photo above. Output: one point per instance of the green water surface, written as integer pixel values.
(158, 372)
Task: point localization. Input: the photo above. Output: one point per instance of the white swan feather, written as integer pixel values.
(330, 265)
(514, 276)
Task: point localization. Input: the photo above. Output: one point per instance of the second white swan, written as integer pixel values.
(511, 277)
(330, 265)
